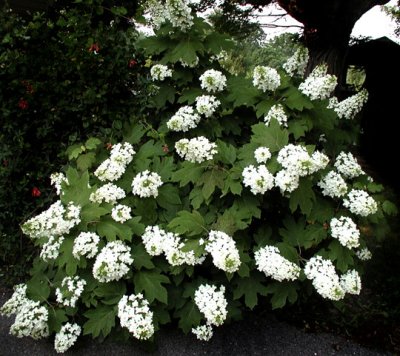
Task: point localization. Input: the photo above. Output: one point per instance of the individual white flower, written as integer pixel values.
(350, 107)
(223, 250)
(262, 154)
(269, 260)
(146, 184)
(345, 230)
(207, 104)
(259, 179)
(113, 262)
(347, 165)
(324, 278)
(121, 213)
(360, 203)
(297, 63)
(319, 84)
(266, 78)
(31, 320)
(203, 332)
(57, 179)
(51, 249)
(135, 315)
(351, 282)
(66, 337)
(333, 185)
(160, 72)
(70, 291)
(16, 302)
(108, 193)
(213, 81)
(184, 119)
(211, 303)
(198, 149)
(287, 180)
(86, 244)
(57, 220)
(278, 113)
(364, 254)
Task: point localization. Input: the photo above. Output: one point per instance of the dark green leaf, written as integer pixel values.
(100, 321)
(150, 282)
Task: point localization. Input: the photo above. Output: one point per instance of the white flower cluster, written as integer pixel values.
(135, 315)
(16, 302)
(198, 149)
(287, 180)
(57, 179)
(184, 119)
(179, 14)
(114, 167)
(324, 278)
(207, 104)
(176, 11)
(146, 184)
(345, 230)
(223, 250)
(333, 185)
(350, 107)
(157, 241)
(31, 320)
(262, 154)
(347, 165)
(259, 179)
(297, 162)
(66, 337)
(276, 112)
(351, 282)
(108, 193)
(70, 291)
(213, 81)
(297, 63)
(156, 13)
(121, 213)
(269, 260)
(211, 303)
(113, 262)
(160, 72)
(86, 244)
(295, 158)
(203, 332)
(364, 254)
(360, 203)
(57, 220)
(51, 249)
(319, 84)
(266, 78)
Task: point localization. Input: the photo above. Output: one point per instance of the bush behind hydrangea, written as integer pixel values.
(195, 229)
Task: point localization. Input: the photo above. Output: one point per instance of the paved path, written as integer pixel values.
(257, 335)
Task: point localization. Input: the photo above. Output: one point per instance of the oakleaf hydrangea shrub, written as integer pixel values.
(221, 195)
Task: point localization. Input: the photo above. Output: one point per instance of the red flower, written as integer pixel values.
(165, 148)
(5, 162)
(132, 63)
(36, 192)
(23, 104)
(94, 48)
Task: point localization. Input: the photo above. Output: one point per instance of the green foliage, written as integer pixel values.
(197, 198)
(55, 90)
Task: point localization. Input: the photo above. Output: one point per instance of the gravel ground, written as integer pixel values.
(257, 335)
